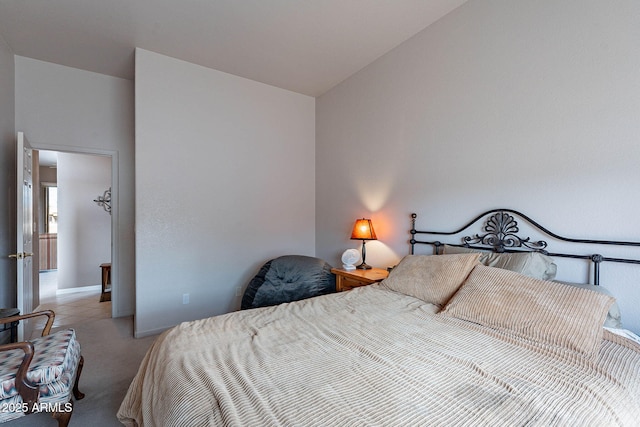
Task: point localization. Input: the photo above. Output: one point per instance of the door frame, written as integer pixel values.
(115, 210)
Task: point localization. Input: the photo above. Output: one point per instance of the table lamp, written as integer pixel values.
(363, 230)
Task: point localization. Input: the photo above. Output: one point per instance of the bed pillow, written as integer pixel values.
(537, 310)
(532, 264)
(450, 249)
(614, 318)
(431, 278)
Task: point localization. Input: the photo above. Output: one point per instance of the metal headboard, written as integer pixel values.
(500, 235)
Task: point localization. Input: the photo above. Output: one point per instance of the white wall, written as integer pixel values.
(84, 228)
(63, 108)
(224, 182)
(529, 105)
(7, 178)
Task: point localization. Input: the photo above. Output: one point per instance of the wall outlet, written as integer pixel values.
(238, 291)
(185, 298)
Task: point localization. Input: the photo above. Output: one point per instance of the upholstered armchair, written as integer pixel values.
(39, 375)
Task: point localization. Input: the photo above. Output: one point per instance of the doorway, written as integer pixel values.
(75, 234)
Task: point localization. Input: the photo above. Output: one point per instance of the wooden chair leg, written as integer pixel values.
(76, 392)
(64, 417)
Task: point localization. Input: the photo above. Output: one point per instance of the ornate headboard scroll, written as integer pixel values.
(500, 234)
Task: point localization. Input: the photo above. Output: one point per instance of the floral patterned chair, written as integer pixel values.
(39, 375)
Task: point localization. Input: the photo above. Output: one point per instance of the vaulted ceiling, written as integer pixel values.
(307, 46)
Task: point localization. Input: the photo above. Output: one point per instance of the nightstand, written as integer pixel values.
(347, 280)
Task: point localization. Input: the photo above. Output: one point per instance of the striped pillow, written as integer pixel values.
(538, 310)
(431, 278)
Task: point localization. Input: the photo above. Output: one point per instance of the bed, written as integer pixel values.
(446, 339)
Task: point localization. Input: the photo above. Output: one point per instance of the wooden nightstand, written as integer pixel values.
(347, 280)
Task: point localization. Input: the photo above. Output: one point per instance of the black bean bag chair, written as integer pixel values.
(289, 278)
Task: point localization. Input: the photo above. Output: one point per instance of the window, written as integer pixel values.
(50, 206)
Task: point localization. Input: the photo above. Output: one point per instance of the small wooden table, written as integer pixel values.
(13, 326)
(349, 279)
(106, 282)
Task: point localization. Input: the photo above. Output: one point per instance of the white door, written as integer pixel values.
(24, 250)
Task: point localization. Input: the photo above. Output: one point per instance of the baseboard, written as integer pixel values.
(79, 289)
(150, 332)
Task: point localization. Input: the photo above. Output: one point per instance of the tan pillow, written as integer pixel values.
(450, 249)
(431, 278)
(614, 317)
(532, 264)
(537, 310)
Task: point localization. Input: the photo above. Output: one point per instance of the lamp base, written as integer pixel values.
(364, 266)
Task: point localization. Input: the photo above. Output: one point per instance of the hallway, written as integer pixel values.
(71, 308)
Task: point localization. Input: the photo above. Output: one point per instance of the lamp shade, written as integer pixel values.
(363, 230)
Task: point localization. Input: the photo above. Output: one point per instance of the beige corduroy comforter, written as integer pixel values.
(373, 357)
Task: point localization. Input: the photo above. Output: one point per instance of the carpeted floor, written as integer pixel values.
(111, 359)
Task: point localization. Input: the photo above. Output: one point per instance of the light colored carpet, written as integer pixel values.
(111, 359)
